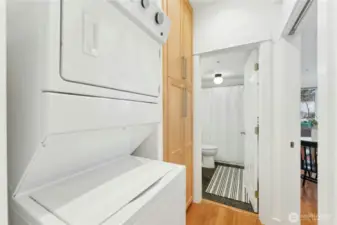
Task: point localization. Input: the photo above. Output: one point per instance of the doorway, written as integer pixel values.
(229, 126)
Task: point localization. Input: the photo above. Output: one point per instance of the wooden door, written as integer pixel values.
(174, 45)
(187, 41)
(175, 152)
(178, 91)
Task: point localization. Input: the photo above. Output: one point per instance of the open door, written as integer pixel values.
(251, 106)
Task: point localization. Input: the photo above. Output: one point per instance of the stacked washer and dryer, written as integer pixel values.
(84, 80)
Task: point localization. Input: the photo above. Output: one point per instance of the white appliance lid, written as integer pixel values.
(96, 196)
(79, 133)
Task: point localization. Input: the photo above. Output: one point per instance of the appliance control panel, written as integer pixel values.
(147, 15)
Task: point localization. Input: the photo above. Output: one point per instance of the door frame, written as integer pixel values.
(265, 131)
(3, 117)
(250, 124)
(327, 109)
(197, 131)
(269, 213)
(264, 49)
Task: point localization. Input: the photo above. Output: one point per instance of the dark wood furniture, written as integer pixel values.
(309, 160)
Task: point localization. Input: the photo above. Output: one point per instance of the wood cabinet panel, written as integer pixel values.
(178, 90)
(175, 126)
(187, 41)
(174, 43)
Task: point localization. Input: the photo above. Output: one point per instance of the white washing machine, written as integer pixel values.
(83, 94)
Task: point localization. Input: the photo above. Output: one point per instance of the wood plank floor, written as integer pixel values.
(211, 213)
(309, 204)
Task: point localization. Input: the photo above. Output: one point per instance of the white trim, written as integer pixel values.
(197, 131)
(327, 97)
(285, 160)
(230, 163)
(3, 117)
(265, 120)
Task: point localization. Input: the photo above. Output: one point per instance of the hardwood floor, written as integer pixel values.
(309, 204)
(211, 213)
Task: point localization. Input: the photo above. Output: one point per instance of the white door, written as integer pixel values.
(250, 124)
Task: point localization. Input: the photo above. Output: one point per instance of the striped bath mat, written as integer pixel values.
(228, 182)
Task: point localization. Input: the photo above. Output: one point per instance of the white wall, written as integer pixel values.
(309, 48)
(285, 160)
(222, 122)
(327, 111)
(229, 23)
(3, 130)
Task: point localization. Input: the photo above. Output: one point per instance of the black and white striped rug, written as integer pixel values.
(227, 182)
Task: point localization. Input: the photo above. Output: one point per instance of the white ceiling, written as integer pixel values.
(229, 62)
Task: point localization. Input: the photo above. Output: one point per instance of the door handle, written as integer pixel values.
(90, 42)
(184, 67)
(185, 102)
(243, 133)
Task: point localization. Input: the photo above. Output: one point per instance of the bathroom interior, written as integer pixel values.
(224, 77)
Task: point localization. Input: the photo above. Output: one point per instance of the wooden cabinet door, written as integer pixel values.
(187, 40)
(187, 43)
(188, 142)
(175, 122)
(174, 45)
(178, 91)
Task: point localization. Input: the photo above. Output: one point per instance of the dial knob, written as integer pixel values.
(145, 3)
(160, 17)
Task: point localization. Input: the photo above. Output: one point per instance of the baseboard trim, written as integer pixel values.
(230, 163)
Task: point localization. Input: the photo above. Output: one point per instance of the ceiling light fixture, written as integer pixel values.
(218, 79)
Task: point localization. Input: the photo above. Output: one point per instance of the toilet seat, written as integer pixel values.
(209, 147)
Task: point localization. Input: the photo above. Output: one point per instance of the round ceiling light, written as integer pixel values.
(218, 79)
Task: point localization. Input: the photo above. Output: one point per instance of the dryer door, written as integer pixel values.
(113, 44)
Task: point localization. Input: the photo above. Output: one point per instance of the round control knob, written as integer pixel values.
(160, 17)
(145, 4)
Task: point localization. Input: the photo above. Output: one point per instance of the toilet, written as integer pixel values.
(208, 154)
